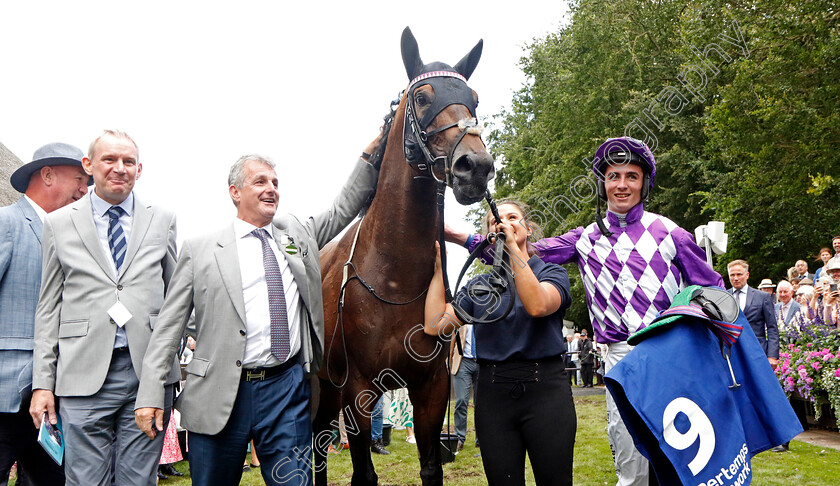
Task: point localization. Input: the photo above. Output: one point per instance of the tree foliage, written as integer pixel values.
(745, 129)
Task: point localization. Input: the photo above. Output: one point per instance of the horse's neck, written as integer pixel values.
(403, 215)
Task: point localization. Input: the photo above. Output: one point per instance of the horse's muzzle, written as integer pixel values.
(470, 175)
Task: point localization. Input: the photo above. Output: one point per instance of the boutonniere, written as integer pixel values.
(288, 244)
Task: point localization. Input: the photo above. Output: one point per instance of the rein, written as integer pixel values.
(501, 277)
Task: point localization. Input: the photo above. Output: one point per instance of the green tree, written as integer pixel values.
(753, 143)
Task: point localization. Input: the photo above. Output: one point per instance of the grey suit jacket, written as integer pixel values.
(791, 314)
(208, 280)
(74, 336)
(20, 278)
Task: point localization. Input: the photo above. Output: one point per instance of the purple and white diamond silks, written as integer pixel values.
(635, 273)
(632, 275)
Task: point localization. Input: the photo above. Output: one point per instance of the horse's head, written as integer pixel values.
(441, 133)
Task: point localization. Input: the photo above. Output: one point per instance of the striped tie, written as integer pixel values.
(280, 345)
(116, 236)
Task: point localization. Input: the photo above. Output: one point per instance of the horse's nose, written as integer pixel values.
(476, 168)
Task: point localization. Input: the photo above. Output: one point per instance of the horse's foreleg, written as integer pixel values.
(358, 402)
(429, 400)
(322, 427)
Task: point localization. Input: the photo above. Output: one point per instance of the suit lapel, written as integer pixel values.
(31, 216)
(82, 217)
(750, 296)
(793, 308)
(227, 258)
(295, 261)
(140, 222)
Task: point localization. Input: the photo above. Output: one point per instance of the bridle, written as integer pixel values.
(419, 156)
(415, 136)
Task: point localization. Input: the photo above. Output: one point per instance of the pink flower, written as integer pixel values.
(790, 346)
(828, 357)
(816, 365)
(810, 345)
(837, 373)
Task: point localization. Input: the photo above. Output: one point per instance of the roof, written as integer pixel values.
(8, 164)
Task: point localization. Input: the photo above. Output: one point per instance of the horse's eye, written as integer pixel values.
(421, 99)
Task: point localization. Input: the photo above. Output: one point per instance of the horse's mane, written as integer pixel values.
(379, 152)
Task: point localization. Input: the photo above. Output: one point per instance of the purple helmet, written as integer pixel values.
(620, 151)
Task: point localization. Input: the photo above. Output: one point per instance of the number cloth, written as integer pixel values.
(673, 392)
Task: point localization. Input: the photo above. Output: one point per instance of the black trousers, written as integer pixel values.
(586, 372)
(525, 407)
(18, 442)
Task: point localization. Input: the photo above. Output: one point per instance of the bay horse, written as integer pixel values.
(375, 341)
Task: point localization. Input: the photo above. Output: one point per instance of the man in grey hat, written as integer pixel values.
(53, 179)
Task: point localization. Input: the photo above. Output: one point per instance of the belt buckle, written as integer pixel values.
(252, 375)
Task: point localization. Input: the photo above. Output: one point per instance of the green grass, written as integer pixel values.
(804, 465)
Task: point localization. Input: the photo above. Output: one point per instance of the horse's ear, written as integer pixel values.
(410, 54)
(467, 65)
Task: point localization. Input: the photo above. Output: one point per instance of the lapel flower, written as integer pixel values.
(288, 244)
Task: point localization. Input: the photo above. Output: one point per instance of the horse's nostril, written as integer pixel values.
(463, 165)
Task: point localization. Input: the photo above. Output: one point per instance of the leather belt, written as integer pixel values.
(260, 374)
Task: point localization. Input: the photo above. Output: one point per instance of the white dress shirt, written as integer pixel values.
(783, 311)
(742, 297)
(101, 220)
(255, 293)
(469, 352)
(38, 210)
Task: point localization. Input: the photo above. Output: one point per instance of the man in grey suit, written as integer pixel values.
(758, 309)
(786, 308)
(256, 290)
(52, 180)
(107, 261)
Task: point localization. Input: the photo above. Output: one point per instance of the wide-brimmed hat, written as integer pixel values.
(766, 284)
(51, 154)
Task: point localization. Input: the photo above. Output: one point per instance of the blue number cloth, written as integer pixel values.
(673, 392)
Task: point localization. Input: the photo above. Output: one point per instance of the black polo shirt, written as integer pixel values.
(518, 336)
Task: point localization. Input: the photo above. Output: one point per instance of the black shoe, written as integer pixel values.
(476, 444)
(460, 446)
(162, 476)
(245, 468)
(378, 448)
(170, 470)
(780, 448)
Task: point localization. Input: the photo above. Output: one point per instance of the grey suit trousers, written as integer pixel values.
(101, 425)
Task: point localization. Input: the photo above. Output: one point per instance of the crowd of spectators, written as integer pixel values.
(803, 297)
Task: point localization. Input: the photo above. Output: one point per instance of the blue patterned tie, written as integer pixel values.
(116, 236)
(280, 346)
